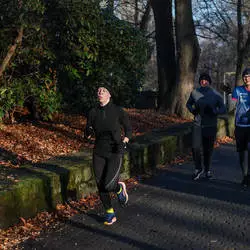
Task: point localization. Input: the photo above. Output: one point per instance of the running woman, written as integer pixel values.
(106, 122)
(241, 95)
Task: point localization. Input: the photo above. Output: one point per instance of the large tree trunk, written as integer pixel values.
(239, 44)
(11, 51)
(165, 52)
(188, 52)
(146, 16)
(242, 47)
(136, 15)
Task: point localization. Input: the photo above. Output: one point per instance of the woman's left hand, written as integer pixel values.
(125, 140)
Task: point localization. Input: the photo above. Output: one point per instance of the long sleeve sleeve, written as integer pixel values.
(191, 105)
(220, 107)
(89, 131)
(124, 119)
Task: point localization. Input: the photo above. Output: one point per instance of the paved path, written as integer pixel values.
(169, 211)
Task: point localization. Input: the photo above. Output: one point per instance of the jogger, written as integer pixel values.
(241, 95)
(105, 122)
(205, 104)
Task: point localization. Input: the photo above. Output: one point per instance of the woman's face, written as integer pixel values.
(103, 95)
(246, 79)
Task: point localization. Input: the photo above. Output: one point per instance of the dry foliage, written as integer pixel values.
(35, 142)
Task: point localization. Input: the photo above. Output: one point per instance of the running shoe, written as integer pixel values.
(122, 194)
(208, 175)
(197, 174)
(109, 219)
(245, 182)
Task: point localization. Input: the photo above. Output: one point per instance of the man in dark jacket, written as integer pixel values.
(205, 104)
(105, 122)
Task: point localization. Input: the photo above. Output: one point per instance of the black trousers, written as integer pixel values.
(242, 136)
(107, 173)
(203, 143)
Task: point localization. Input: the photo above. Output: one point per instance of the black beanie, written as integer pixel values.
(205, 76)
(246, 71)
(107, 86)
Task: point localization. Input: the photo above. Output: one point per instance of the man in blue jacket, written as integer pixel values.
(241, 95)
(205, 104)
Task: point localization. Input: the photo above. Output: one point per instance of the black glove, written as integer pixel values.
(226, 89)
(121, 148)
(208, 111)
(195, 112)
(88, 133)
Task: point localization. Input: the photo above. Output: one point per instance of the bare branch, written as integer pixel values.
(11, 51)
(218, 35)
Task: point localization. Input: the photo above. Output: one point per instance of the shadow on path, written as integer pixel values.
(168, 211)
(215, 188)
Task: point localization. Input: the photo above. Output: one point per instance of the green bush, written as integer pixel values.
(68, 48)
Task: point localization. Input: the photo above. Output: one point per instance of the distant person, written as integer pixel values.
(205, 104)
(105, 123)
(241, 95)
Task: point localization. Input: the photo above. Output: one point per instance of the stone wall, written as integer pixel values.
(42, 186)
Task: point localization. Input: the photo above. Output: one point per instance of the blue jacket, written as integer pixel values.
(205, 104)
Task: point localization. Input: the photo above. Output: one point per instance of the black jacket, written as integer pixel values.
(106, 124)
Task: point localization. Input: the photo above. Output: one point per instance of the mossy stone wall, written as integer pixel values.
(42, 186)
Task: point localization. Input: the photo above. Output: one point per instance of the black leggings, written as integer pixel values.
(107, 172)
(242, 136)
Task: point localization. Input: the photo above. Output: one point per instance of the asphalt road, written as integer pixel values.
(168, 211)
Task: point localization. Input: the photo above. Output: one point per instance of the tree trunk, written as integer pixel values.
(136, 15)
(145, 18)
(165, 52)
(242, 47)
(188, 52)
(11, 52)
(239, 44)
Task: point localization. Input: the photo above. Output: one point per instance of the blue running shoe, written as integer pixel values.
(122, 194)
(110, 218)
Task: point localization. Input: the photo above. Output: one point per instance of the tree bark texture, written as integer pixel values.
(165, 52)
(239, 44)
(188, 52)
(145, 18)
(243, 45)
(136, 15)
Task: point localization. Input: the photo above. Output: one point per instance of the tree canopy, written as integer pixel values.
(59, 51)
